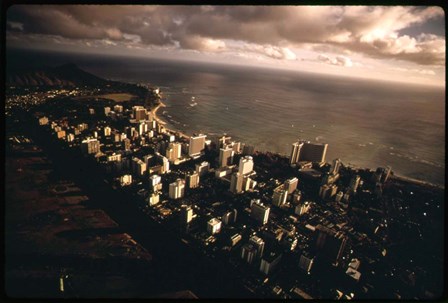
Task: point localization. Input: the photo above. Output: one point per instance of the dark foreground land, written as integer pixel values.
(54, 230)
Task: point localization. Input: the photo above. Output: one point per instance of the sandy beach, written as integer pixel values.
(160, 121)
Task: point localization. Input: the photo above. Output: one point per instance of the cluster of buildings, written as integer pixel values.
(265, 224)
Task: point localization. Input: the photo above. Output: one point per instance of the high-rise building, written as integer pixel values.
(153, 199)
(295, 152)
(270, 262)
(235, 239)
(246, 165)
(236, 183)
(107, 131)
(202, 168)
(177, 189)
(229, 217)
(260, 212)
(259, 245)
(60, 134)
(90, 146)
(306, 261)
(354, 183)
(248, 253)
(236, 146)
(313, 152)
(126, 144)
(307, 151)
(70, 137)
(296, 196)
(197, 144)
(248, 183)
(214, 226)
(330, 244)
(192, 180)
(186, 214)
(382, 174)
(302, 208)
(138, 166)
(328, 191)
(151, 124)
(155, 183)
(223, 141)
(114, 157)
(329, 178)
(334, 169)
(165, 165)
(118, 108)
(279, 196)
(291, 185)
(139, 112)
(339, 196)
(142, 128)
(225, 156)
(173, 151)
(126, 180)
(43, 121)
(106, 110)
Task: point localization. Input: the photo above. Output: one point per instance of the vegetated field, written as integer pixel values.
(117, 97)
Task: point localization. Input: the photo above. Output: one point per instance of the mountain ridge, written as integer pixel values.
(68, 74)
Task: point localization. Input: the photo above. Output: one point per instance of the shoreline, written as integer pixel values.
(394, 176)
(164, 123)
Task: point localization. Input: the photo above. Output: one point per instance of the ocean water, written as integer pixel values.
(366, 123)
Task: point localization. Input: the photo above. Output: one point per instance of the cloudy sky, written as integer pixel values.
(389, 43)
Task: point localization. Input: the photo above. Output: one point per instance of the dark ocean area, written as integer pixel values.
(366, 123)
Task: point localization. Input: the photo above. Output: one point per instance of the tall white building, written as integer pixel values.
(197, 144)
(202, 168)
(126, 180)
(155, 183)
(177, 189)
(173, 152)
(153, 199)
(142, 128)
(214, 226)
(291, 185)
(90, 146)
(246, 165)
(165, 165)
(107, 131)
(192, 180)
(236, 183)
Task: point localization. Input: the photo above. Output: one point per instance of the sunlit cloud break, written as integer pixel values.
(404, 34)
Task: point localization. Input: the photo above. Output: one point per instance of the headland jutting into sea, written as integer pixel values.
(233, 222)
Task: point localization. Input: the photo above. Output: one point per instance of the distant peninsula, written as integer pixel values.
(68, 75)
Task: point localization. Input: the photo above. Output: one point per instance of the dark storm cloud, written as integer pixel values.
(374, 31)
